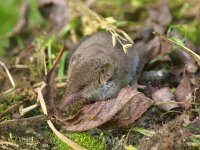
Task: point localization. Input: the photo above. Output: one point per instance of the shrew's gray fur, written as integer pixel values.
(98, 71)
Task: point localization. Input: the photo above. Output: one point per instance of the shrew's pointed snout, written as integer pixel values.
(69, 99)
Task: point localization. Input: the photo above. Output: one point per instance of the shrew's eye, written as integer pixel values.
(106, 73)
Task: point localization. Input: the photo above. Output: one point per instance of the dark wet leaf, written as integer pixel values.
(155, 78)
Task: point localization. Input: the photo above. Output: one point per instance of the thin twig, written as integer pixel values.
(193, 144)
(11, 109)
(16, 124)
(168, 102)
(57, 79)
(57, 133)
(44, 108)
(23, 110)
(8, 143)
(9, 76)
(60, 85)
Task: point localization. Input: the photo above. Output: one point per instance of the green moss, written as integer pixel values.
(84, 139)
(191, 31)
(2, 107)
(9, 15)
(58, 143)
(141, 3)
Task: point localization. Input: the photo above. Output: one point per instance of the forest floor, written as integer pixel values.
(163, 113)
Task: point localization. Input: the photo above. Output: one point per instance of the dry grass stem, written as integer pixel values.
(57, 133)
(8, 143)
(9, 77)
(103, 23)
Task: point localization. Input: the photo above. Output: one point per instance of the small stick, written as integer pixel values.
(8, 143)
(57, 79)
(11, 109)
(16, 124)
(23, 110)
(10, 78)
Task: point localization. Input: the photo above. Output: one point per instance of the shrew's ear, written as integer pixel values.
(106, 73)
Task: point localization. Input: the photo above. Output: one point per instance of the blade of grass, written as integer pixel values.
(146, 132)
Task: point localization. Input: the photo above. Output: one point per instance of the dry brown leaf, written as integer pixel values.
(96, 114)
(165, 99)
(183, 90)
(133, 110)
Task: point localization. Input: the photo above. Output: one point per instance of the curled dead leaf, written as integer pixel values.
(133, 110)
(183, 91)
(165, 99)
(129, 104)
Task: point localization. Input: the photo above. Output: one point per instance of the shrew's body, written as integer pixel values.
(98, 71)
